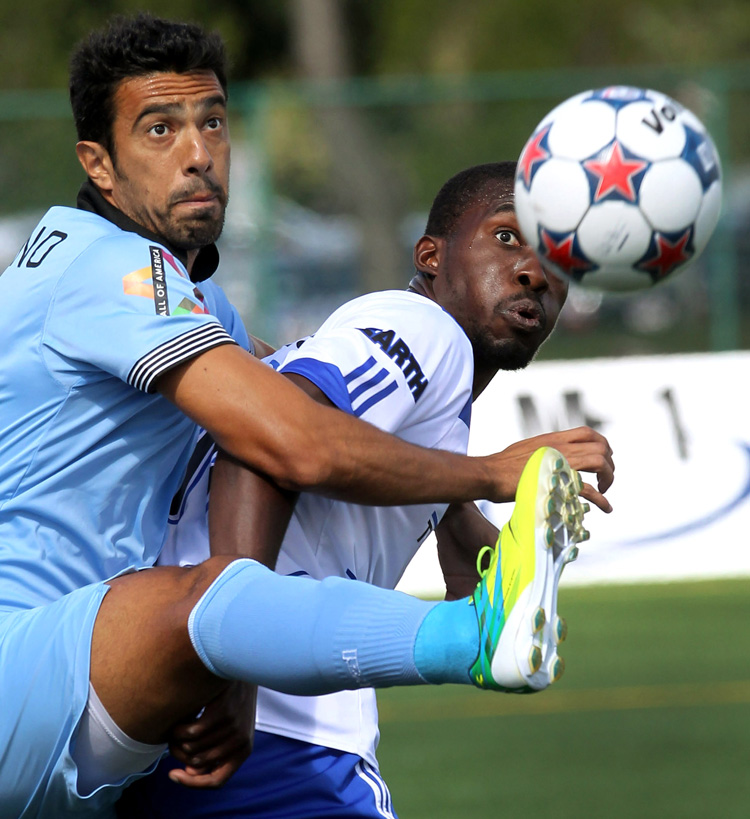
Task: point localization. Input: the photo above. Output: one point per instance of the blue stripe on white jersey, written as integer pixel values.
(326, 377)
(363, 368)
(366, 382)
(374, 399)
(356, 392)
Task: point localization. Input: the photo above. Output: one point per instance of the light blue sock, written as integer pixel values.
(304, 636)
(447, 642)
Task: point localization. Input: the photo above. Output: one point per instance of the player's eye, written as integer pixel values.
(508, 237)
(159, 129)
(214, 123)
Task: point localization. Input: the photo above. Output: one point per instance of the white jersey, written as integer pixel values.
(399, 361)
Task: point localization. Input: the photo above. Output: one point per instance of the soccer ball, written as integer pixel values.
(618, 188)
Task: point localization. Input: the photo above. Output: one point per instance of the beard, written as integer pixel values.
(186, 231)
(194, 233)
(502, 354)
(199, 229)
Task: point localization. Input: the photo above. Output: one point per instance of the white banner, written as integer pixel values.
(680, 430)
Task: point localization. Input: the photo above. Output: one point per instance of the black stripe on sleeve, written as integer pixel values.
(175, 351)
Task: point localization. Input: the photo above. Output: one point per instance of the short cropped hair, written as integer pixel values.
(464, 190)
(133, 47)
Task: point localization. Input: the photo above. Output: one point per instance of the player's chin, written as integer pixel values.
(191, 234)
(510, 353)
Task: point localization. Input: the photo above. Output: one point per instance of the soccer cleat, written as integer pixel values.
(516, 599)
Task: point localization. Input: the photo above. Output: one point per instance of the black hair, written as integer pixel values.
(464, 190)
(133, 47)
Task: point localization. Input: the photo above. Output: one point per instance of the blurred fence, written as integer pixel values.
(331, 184)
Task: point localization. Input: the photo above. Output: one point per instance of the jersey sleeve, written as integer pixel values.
(395, 368)
(219, 305)
(128, 308)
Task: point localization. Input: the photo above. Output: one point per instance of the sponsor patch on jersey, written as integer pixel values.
(151, 283)
(397, 349)
(159, 281)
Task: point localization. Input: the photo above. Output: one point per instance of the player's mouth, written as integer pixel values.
(200, 198)
(524, 314)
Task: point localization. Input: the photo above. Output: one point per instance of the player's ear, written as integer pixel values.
(97, 164)
(427, 255)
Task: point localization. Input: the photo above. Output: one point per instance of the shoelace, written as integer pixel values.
(480, 556)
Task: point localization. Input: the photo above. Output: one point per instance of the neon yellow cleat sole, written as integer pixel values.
(516, 599)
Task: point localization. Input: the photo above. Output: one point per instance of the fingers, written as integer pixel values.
(211, 766)
(590, 494)
(586, 450)
(600, 464)
(196, 778)
(208, 750)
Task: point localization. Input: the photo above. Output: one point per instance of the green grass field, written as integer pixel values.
(652, 719)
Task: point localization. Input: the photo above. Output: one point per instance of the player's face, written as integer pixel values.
(170, 170)
(491, 282)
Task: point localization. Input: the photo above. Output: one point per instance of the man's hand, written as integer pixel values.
(214, 745)
(585, 449)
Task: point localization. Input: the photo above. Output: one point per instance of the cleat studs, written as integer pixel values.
(538, 620)
(586, 508)
(535, 659)
(549, 535)
(561, 630)
(584, 534)
(572, 555)
(558, 669)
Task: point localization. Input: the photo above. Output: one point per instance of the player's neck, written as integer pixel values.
(423, 286)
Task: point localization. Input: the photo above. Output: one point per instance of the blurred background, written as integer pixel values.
(348, 115)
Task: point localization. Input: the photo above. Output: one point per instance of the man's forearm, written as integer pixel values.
(261, 419)
(247, 513)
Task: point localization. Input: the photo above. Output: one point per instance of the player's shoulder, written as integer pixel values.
(92, 240)
(401, 310)
(409, 329)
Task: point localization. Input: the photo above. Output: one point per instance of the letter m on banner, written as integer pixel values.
(570, 412)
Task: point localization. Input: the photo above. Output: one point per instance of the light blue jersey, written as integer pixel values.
(90, 456)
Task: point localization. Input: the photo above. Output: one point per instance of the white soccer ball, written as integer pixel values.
(618, 188)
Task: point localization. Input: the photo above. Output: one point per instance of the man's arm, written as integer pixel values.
(248, 514)
(266, 422)
(263, 420)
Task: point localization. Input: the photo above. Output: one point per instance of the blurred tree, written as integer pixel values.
(37, 37)
(403, 36)
(440, 36)
(363, 179)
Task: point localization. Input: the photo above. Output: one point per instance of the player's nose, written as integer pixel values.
(197, 157)
(530, 272)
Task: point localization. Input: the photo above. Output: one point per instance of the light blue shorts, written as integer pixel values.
(44, 683)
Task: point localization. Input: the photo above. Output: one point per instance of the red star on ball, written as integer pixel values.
(615, 173)
(533, 152)
(669, 256)
(561, 254)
